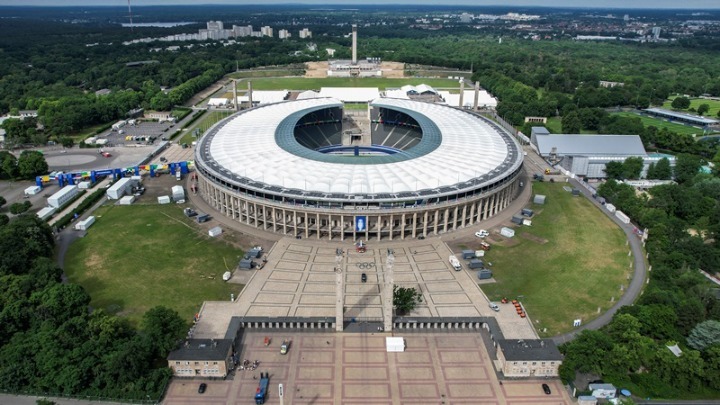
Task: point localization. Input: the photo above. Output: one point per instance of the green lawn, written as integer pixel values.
(208, 120)
(570, 262)
(554, 125)
(660, 123)
(301, 83)
(695, 103)
(137, 257)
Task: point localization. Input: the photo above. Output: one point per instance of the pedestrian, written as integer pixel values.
(254, 377)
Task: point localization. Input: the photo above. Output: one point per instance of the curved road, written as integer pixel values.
(638, 279)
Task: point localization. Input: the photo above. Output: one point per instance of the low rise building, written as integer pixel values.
(586, 155)
(529, 357)
(202, 358)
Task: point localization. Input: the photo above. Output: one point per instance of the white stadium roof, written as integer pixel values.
(246, 146)
(351, 94)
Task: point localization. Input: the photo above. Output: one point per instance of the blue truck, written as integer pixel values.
(262, 388)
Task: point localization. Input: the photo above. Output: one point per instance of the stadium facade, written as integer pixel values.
(414, 169)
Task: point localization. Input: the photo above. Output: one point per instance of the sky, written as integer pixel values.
(654, 4)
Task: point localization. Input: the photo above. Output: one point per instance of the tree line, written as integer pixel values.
(51, 342)
(678, 306)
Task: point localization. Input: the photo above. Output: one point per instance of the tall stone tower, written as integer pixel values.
(354, 44)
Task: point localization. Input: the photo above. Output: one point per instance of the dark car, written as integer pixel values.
(546, 389)
(202, 388)
(363, 277)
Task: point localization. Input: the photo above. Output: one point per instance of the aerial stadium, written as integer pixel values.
(400, 169)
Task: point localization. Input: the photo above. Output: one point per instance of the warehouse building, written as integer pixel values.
(587, 155)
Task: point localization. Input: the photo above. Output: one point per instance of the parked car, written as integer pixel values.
(202, 388)
(482, 233)
(363, 278)
(106, 154)
(494, 307)
(546, 389)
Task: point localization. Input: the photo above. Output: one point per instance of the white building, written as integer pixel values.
(305, 33)
(266, 31)
(284, 34)
(242, 31)
(214, 25)
(63, 196)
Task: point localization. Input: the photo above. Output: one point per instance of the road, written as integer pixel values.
(638, 279)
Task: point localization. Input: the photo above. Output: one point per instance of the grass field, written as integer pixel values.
(204, 123)
(137, 257)
(554, 125)
(570, 262)
(301, 83)
(660, 123)
(695, 103)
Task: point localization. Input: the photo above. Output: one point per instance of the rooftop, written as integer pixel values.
(529, 350)
(683, 116)
(202, 349)
(587, 145)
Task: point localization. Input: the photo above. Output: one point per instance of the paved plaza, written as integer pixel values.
(354, 369)
(299, 281)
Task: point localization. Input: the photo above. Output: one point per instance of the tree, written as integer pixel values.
(8, 165)
(663, 170)
(2, 201)
(686, 167)
(571, 123)
(704, 334)
(405, 299)
(67, 142)
(18, 208)
(614, 170)
(4, 220)
(164, 328)
(31, 164)
(632, 167)
(703, 108)
(680, 103)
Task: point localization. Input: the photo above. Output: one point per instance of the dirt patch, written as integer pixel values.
(502, 241)
(392, 69)
(316, 69)
(534, 238)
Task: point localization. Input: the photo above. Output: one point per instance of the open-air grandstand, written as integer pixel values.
(418, 169)
(394, 129)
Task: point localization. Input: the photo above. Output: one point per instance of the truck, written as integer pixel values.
(455, 263)
(285, 346)
(262, 388)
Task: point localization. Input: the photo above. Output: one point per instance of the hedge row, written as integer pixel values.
(87, 203)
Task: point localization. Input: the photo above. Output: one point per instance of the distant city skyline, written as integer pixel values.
(620, 4)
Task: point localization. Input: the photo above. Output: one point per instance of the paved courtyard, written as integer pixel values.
(354, 369)
(299, 281)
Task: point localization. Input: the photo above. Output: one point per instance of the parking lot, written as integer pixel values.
(138, 134)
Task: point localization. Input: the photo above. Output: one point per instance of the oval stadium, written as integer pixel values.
(398, 169)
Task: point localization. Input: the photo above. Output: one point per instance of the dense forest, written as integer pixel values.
(51, 344)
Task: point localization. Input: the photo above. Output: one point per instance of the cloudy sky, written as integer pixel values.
(686, 4)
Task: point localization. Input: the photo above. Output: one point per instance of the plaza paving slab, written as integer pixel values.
(332, 368)
(299, 280)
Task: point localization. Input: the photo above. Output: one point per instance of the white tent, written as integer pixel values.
(395, 344)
